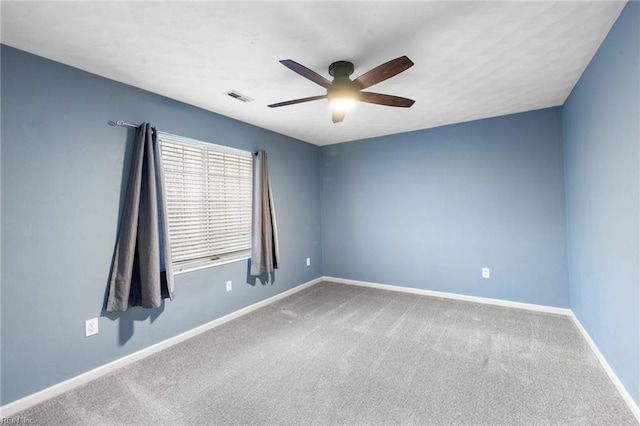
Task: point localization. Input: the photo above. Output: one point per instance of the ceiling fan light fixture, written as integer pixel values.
(341, 97)
(342, 103)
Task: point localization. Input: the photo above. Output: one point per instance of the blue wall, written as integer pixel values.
(62, 188)
(429, 209)
(602, 140)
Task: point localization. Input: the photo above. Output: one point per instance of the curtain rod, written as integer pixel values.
(122, 123)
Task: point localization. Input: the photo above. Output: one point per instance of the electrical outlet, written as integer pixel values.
(486, 273)
(90, 327)
(308, 261)
(229, 285)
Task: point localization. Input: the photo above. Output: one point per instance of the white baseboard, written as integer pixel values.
(476, 299)
(59, 388)
(562, 311)
(612, 375)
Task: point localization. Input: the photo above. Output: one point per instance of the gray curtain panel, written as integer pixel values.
(265, 253)
(141, 272)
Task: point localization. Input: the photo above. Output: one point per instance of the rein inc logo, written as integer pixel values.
(17, 420)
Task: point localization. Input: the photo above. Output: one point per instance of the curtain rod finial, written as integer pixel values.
(121, 123)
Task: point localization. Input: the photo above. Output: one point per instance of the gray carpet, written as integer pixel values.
(336, 354)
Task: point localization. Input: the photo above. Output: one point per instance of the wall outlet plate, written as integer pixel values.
(308, 261)
(90, 327)
(229, 285)
(486, 273)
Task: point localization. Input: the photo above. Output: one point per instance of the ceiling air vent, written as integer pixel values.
(239, 96)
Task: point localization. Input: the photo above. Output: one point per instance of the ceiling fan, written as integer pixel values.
(342, 92)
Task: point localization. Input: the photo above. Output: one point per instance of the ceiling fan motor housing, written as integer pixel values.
(341, 70)
(342, 86)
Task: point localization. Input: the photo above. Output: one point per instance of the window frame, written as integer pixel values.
(201, 262)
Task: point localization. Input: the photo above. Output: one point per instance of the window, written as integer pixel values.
(209, 198)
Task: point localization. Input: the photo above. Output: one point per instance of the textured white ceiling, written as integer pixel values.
(472, 59)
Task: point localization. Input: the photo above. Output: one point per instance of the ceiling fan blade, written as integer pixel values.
(338, 116)
(383, 72)
(297, 101)
(388, 100)
(306, 73)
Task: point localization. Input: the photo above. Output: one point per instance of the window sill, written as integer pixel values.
(197, 265)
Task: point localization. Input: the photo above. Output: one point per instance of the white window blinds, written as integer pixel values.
(209, 199)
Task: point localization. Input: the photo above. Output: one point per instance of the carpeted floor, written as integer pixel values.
(337, 354)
